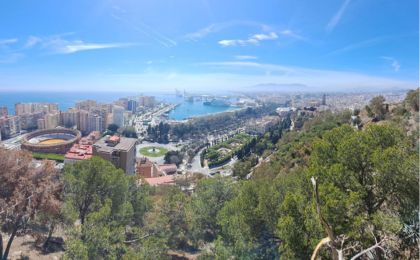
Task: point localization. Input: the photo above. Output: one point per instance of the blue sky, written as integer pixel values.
(204, 45)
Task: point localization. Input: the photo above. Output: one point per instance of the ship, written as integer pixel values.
(217, 103)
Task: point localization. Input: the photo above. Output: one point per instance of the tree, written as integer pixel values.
(109, 205)
(378, 107)
(167, 221)
(366, 182)
(208, 199)
(175, 157)
(129, 132)
(412, 99)
(26, 191)
(113, 128)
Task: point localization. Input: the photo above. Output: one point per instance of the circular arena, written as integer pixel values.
(58, 140)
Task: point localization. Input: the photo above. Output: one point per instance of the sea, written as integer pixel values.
(66, 100)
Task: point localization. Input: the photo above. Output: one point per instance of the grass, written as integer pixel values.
(48, 156)
(159, 151)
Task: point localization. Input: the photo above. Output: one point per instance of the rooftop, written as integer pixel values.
(167, 179)
(79, 152)
(119, 143)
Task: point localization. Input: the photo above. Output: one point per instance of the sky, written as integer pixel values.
(209, 45)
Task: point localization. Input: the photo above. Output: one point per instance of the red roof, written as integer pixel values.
(167, 179)
(79, 152)
(114, 138)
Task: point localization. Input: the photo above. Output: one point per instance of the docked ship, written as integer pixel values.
(217, 103)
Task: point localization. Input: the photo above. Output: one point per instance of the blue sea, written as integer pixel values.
(68, 99)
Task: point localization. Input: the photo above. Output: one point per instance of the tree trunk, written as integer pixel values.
(50, 232)
(12, 237)
(1, 246)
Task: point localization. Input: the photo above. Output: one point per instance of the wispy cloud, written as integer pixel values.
(245, 57)
(337, 16)
(217, 27)
(395, 64)
(32, 41)
(57, 44)
(252, 40)
(8, 41)
(121, 15)
(359, 45)
(292, 34)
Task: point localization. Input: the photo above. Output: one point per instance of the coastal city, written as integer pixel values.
(209, 130)
(150, 138)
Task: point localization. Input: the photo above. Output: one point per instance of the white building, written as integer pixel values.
(118, 115)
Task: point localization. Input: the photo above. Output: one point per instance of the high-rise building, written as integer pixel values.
(83, 124)
(70, 118)
(30, 121)
(118, 115)
(29, 108)
(324, 100)
(9, 126)
(120, 151)
(52, 120)
(86, 105)
(122, 102)
(3, 111)
(132, 106)
(95, 123)
(147, 101)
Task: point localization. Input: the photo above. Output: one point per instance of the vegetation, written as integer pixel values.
(106, 202)
(153, 151)
(29, 195)
(129, 132)
(175, 157)
(221, 153)
(48, 156)
(330, 190)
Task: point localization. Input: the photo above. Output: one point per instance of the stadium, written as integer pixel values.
(58, 140)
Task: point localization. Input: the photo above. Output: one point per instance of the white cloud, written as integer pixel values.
(337, 16)
(245, 57)
(217, 27)
(57, 44)
(77, 46)
(252, 40)
(395, 64)
(8, 41)
(32, 41)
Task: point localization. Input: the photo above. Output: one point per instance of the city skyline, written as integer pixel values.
(346, 45)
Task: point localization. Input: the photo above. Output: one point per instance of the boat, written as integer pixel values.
(217, 103)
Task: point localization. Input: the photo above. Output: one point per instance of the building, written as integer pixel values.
(82, 150)
(161, 180)
(3, 111)
(9, 126)
(29, 108)
(51, 121)
(146, 101)
(70, 118)
(324, 100)
(95, 123)
(132, 106)
(120, 151)
(147, 169)
(30, 121)
(261, 125)
(86, 105)
(118, 115)
(83, 124)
